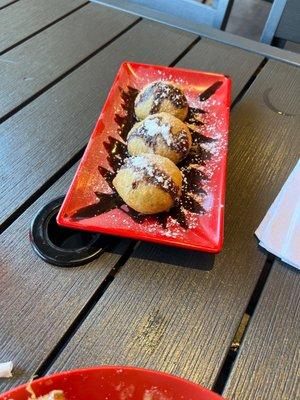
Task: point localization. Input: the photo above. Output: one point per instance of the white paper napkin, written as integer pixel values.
(279, 231)
(291, 251)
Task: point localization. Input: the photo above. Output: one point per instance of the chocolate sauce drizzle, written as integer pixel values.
(160, 92)
(191, 116)
(193, 177)
(210, 91)
(178, 143)
(154, 176)
(107, 202)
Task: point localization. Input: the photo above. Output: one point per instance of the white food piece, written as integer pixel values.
(6, 369)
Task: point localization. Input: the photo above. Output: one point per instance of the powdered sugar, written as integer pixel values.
(144, 169)
(155, 126)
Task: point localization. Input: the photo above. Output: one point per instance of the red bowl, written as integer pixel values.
(115, 383)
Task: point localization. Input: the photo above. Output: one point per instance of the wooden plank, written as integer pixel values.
(25, 17)
(40, 301)
(168, 317)
(5, 2)
(205, 31)
(216, 57)
(268, 363)
(56, 50)
(50, 130)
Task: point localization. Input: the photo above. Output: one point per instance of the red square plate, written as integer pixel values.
(197, 223)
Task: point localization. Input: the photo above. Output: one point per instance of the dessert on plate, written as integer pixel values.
(161, 96)
(161, 134)
(149, 183)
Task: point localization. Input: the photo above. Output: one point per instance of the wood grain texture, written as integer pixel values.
(206, 31)
(268, 363)
(44, 135)
(215, 57)
(38, 302)
(25, 17)
(168, 317)
(5, 2)
(39, 61)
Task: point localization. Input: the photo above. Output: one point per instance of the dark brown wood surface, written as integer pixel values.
(25, 17)
(56, 50)
(169, 317)
(42, 137)
(38, 302)
(268, 364)
(215, 57)
(27, 142)
(206, 31)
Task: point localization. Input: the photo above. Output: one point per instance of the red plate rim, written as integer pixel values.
(113, 368)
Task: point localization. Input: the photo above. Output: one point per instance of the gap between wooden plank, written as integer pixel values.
(204, 31)
(99, 291)
(78, 321)
(233, 351)
(57, 350)
(59, 347)
(79, 154)
(269, 355)
(31, 199)
(68, 72)
(73, 287)
(143, 330)
(41, 29)
(182, 54)
(219, 385)
(8, 4)
(249, 83)
(230, 358)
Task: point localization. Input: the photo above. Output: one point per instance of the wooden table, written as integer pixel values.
(230, 322)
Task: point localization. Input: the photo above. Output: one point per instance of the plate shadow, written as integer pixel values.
(174, 256)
